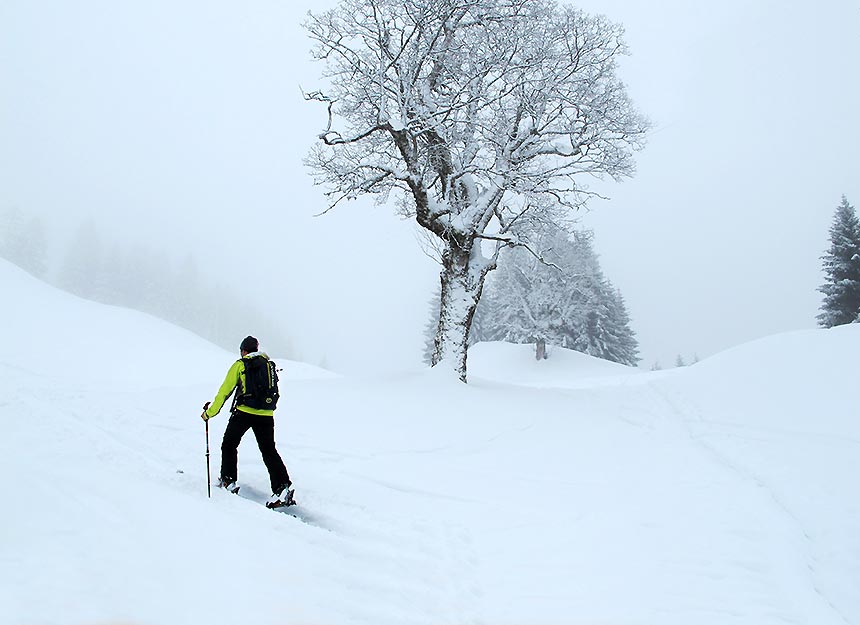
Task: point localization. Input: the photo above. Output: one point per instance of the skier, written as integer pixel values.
(254, 379)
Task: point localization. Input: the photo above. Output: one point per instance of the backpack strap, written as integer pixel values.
(236, 392)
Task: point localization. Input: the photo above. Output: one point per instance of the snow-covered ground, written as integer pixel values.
(566, 491)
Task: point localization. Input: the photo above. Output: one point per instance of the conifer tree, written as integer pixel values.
(841, 265)
(23, 241)
(11, 227)
(624, 346)
(430, 330)
(82, 271)
(561, 298)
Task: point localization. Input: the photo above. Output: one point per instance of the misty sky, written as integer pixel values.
(183, 124)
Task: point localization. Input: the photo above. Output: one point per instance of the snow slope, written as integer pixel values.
(576, 492)
(516, 364)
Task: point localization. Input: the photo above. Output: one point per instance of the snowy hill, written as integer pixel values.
(565, 368)
(580, 492)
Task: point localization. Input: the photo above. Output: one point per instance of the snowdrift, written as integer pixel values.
(568, 491)
(565, 368)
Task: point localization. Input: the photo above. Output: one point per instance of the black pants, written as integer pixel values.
(264, 431)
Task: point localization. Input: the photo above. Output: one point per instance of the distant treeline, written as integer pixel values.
(137, 277)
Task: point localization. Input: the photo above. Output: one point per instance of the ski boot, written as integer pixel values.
(228, 485)
(282, 498)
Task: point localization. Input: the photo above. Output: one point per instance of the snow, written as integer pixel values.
(570, 490)
(516, 364)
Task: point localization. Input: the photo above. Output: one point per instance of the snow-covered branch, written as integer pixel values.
(465, 108)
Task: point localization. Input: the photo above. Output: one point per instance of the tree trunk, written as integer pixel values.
(461, 290)
(540, 349)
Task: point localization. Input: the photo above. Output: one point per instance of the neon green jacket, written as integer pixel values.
(235, 378)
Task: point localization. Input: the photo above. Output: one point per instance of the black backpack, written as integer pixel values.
(261, 384)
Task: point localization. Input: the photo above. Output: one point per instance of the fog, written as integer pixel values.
(183, 124)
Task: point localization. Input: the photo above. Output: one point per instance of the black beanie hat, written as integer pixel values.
(249, 344)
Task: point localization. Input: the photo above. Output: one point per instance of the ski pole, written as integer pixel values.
(208, 478)
(208, 475)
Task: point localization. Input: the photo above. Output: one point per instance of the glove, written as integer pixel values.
(204, 416)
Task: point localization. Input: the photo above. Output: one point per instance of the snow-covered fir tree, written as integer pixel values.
(23, 241)
(623, 347)
(841, 265)
(561, 298)
(554, 293)
(83, 271)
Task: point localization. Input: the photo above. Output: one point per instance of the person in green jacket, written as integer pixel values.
(243, 418)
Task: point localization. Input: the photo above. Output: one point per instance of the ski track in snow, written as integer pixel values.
(427, 569)
(422, 568)
(686, 412)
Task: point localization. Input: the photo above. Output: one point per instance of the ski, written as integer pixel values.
(292, 508)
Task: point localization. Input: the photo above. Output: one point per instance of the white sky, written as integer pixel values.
(184, 122)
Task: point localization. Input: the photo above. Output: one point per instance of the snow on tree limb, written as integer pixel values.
(471, 112)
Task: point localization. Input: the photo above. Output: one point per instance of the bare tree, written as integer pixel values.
(479, 114)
